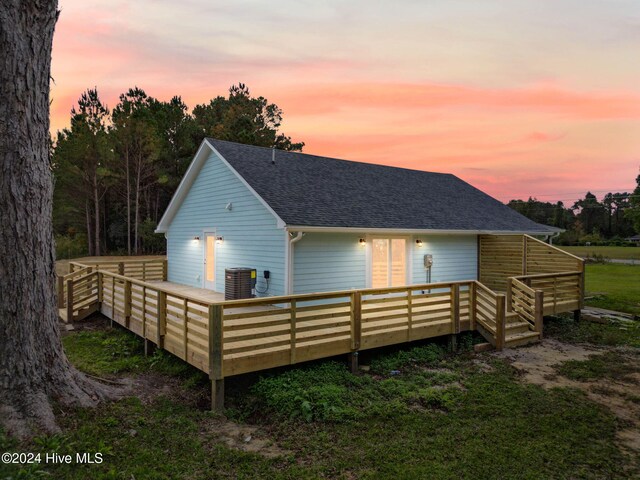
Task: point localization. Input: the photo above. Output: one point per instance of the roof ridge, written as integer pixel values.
(332, 158)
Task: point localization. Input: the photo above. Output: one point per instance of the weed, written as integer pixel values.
(426, 355)
(605, 365)
(566, 329)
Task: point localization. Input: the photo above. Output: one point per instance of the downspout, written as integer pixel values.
(551, 237)
(292, 240)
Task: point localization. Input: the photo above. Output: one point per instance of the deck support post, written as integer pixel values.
(216, 376)
(500, 321)
(69, 301)
(539, 312)
(217, 394)
(509, 298)
(161, 328)
(356, 320)
(149, 347)
(60, 291)
(453, 343)
(352, 359)
(127, 303)
(576, 315)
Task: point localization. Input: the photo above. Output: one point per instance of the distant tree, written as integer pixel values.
(591, 214)
(34, 371)
(179, 138)
(546, 213)
(244, 119)
(137, 147)
(633, 211)
(80, 163)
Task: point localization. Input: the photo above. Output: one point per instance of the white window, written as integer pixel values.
(388, 262)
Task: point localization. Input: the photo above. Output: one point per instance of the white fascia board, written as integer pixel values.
(280, 222)
(406, 231)
(190, 177)
(182, 190)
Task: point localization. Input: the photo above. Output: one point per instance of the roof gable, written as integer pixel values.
(202, 155)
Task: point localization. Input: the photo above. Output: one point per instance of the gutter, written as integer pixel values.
(409, 231)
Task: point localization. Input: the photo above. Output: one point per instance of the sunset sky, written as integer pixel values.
(519, 98)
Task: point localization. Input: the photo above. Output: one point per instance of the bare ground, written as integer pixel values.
(537, 366)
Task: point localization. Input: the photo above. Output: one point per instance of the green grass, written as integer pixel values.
(610, 334)
(605, 365)
(626, 253)
(116, 351)
(614, 287)
(418, 413)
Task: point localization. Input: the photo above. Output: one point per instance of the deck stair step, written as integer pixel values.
(523, 338)
(519, 327)
(512, 317)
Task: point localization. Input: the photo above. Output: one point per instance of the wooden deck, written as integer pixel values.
(225, 338)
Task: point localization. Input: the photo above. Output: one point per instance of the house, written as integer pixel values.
(312, 224)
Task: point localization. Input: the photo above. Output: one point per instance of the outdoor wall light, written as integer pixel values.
(418, 243)
(219, 240)
(362, 241)
(196, 238)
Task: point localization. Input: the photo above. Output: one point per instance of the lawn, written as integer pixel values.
(417, 412)
(614, 287)
(628, 253)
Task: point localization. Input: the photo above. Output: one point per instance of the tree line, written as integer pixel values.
(612, 219)
(115, 170)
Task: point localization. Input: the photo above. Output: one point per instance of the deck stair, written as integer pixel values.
(518, 332)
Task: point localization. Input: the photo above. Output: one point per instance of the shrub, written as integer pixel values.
(71, 246)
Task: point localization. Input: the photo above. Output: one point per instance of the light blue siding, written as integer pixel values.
(329, 261)
(251, 236)
(454, 258)
(325, 262)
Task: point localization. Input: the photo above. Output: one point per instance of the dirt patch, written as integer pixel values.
(247, 438)
(536, 363)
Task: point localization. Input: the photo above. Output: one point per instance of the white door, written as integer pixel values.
(210, 261)
(388, 262)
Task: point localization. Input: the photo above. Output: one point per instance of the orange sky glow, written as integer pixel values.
(519, 98)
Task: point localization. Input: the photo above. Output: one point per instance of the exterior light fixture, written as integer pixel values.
(418, 243)
(362, 241)
(196, 238)
(219, 240)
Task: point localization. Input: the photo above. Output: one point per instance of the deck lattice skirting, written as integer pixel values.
(233, 337)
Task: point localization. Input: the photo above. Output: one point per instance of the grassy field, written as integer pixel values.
(614, 286)
(627, 253)
(416, 413)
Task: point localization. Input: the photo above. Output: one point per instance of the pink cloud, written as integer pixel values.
(327, 98)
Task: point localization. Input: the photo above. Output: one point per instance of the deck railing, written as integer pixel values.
(563, 292)
(259, 333)
(526, 302)
(152, 269)
(490, 314)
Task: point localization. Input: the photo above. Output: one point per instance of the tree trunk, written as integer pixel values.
(90, 249)
(137, 208)
(96, 201)
(33, 367)
(127, 174)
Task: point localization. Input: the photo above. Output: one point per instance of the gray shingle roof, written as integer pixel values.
(308, 190)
